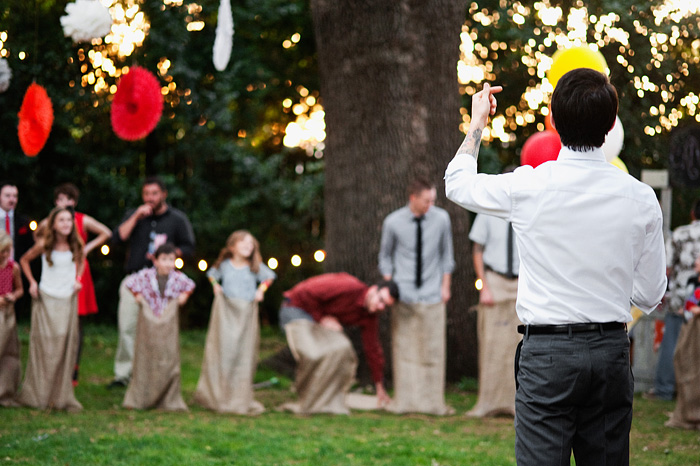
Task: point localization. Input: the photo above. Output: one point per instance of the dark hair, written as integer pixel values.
(154, 180)
(392, 286)
(696, 209)
(68, 189)
(4, 183)
(166, 248)
(418, 185)
(584, 107)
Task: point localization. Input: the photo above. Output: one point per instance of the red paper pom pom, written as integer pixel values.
(35, 120)
(137, 104)
(540, 147)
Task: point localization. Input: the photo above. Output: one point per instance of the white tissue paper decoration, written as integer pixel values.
(86, 20)
(5, 75)
(223, 43)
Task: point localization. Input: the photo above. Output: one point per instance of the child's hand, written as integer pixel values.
(34, 289)
(77, 285)
(695, 310)
(259, 295)
(182, 299)
(217, 288)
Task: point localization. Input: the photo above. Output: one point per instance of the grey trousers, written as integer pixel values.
(574, 393)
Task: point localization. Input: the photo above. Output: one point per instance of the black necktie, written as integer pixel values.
(419, 252)
(509, 272)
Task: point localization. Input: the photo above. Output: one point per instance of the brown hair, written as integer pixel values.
(70, 190)
(255, 258)
(75, 242)
(418, 185)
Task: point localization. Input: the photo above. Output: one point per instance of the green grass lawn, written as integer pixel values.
(105, 433)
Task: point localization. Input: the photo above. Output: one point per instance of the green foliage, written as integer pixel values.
(218, 144)
(511, 47)
(106, 434)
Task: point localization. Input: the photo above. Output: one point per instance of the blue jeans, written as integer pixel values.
(290, 313)
(665, 378)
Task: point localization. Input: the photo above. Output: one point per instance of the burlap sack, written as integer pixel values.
(685, 362)
(418, 352)
(53, 348)
(155, 380)
(230, 358)
(498, 339)
(10, 372)
(326, 365)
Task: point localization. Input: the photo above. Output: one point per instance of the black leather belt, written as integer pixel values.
(570, 328)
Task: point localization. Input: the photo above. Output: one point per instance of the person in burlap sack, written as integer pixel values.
(53, 338)
(10, 290)
(686, 415)
(231, 350)
(496, 264)
(416, 252)
(160, 291)
(313, 315)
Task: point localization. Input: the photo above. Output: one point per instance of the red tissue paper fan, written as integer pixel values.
(35, 120)
(137, 104)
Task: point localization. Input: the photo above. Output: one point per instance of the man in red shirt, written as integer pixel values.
(336, 300)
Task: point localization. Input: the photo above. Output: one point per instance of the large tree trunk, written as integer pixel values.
(390, 92)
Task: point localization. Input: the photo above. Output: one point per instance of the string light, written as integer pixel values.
(272, 263)
(202, 265)
(296, 260)
(179, 263)
(104, 249)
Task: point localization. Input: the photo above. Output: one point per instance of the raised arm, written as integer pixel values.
(483, 105)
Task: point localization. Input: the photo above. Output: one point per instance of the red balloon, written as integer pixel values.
(539, 148)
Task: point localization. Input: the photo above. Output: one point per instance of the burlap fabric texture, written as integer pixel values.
(326, 365)
(10, 371)
(686, 415)
(155, 380)
(53, 348)
(230, 358)
(418, 355)
(498, 339)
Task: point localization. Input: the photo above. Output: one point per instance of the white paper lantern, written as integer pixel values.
(223, 43)
(613, 141)
(86, 20)
(5, 75)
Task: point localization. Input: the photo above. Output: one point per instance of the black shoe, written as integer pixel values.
(116, 383)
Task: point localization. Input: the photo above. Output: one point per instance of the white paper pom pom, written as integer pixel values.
(5, 75)
(223, 43)
(86, 20)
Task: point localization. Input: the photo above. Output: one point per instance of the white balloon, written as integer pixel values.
(613, 141)
(223, 42)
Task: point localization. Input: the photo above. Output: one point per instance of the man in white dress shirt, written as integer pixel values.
(591, 244)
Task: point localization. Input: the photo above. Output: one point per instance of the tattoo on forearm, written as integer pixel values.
(472, 142)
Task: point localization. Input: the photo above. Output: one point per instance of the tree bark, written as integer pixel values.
(388, 72)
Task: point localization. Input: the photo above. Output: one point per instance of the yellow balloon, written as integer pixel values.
(619, 164)
(564, 61)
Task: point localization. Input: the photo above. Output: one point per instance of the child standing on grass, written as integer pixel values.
(10, 291)
(160, 290)
(53, 338)
(686, 415)
(240, 280)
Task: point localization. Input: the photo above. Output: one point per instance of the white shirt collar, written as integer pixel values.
(568, 153)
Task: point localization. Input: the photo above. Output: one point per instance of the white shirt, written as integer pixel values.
(58, 280)
(589, 235)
